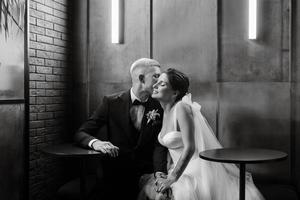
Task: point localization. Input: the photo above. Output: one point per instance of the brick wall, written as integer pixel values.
(49, 79)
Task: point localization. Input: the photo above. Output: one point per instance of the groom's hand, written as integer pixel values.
(106, 148)
(165, 183)
(159, 176)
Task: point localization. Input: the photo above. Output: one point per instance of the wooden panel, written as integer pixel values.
(257, 115)
(185, 36)
(110, 63)
(12, 151)
(254, 60)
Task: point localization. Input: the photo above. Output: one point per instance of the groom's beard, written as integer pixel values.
(145, 95)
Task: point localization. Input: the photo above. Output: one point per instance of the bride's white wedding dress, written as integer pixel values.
(204, 180)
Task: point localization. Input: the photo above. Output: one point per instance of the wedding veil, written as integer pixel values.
(205, 138)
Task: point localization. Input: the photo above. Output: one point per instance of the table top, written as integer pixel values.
(242, 155)
(70, 150)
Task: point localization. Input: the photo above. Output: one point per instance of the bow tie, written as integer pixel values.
(137, 102)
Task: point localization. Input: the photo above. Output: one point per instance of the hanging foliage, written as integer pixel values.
(11, 13)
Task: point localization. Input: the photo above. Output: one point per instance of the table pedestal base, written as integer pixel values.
(242, 181)
(82, 179)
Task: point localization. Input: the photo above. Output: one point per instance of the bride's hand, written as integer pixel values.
(165, 184)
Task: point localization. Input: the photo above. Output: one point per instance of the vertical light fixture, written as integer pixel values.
(115, 21)
(252, 19)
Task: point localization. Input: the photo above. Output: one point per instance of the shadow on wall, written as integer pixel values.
(251, 130)
(248, 129)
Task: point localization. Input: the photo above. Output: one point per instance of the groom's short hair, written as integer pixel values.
(143, 63)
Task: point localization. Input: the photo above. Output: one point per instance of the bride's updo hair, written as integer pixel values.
(178, 81)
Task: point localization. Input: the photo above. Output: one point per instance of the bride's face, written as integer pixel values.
(162, 90)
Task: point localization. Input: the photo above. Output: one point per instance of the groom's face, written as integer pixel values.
(151, 77)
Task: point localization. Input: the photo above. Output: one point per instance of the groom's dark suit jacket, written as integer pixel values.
(139, 152)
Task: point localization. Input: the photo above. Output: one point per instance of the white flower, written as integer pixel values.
(151, 115)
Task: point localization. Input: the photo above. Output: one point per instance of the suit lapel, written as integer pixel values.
(125, 106)
(146, 128)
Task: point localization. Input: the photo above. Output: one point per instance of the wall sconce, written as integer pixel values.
(252, 19)
(117, 21)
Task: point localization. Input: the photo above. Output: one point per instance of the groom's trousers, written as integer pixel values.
(120, 181)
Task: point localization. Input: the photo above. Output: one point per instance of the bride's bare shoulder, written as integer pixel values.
(183, 107)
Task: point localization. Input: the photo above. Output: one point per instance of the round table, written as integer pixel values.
(242, 156)
(73, 151)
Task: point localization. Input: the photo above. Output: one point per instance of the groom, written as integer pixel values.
(132, 120)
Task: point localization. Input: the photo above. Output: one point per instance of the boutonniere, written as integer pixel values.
(152, 116)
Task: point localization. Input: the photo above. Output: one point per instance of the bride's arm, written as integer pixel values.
(186, 124)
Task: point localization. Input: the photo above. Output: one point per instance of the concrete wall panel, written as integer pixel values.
(254, 60)
(110, 63)
(101, 89)
(257, 115)
(206, 95)
(185, 36)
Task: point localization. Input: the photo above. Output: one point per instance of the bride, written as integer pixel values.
(185, 132)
